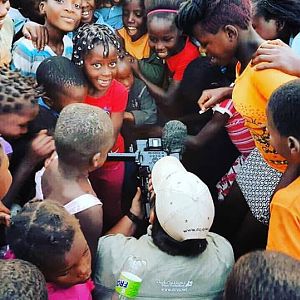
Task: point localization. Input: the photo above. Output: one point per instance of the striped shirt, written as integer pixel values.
(238, 133)
(27, 58)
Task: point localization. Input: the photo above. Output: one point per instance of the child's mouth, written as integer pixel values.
(104, 83)
(85, 14)
(131, 30)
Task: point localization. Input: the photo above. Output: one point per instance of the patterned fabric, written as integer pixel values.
(257, 181)
(27, 58)
(238, 133)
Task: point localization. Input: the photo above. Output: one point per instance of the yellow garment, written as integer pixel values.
(250, 97)
(284, 230)
(138, 49)
(6, 38)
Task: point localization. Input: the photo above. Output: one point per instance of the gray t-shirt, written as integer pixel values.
(167, 277)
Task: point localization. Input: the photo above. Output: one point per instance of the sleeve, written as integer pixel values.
(225, 107)
(120, 98)
(266, 81)
(148, 112)
(22, 58)
(284, 231)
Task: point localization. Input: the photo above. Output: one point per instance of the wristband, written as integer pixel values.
(134, 218)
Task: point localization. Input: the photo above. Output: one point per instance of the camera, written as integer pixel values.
(145, 153)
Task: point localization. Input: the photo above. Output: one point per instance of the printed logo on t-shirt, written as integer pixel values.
(169, 286)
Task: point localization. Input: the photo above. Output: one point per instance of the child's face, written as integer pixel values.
(164, 37)
(63, 15)
(5, 176)
(220, 47)
(134, 19)
(100, 70)
(88, 8)
(72, 94)
(14, 125)
(124, 75)
(280, 143)
(4, 8)
(77, 266)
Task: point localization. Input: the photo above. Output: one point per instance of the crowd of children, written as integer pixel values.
(80, 79)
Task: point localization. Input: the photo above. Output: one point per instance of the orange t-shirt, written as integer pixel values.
(284, 230)
(138, 49)
(250, 98)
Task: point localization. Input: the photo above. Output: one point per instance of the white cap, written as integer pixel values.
(184, 206)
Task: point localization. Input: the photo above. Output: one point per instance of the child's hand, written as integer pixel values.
(136, 205)
(4, 215)
(276, 55)
(37, 33)
(211, 97)
(41, 147)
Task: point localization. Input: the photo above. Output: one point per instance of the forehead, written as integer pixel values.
(201, 35)
(161, 26)
(97, 52)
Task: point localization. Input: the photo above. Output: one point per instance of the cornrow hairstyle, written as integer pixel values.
(284, 106)
(21, 280)
(17, 92)
(287, 11)
(42, 227)
(264, 275)
(57, 73)
(90, 35)
(159, 5)
(213, 14)
(82, 131)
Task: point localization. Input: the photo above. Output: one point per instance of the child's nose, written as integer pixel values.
(131, 18)
(69, 6)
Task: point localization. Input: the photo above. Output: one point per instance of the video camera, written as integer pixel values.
(145, 154)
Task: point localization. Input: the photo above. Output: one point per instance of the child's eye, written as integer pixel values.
(112, 64)
(97, 66)
(152, 39)
(60, 1)
(77, 6)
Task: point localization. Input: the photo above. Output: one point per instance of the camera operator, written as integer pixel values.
(184, 259)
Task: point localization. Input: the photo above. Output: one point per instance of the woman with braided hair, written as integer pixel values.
(96, 48)
(224, 29)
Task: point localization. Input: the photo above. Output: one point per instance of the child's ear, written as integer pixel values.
(96, 160)
(231, 32)
(293, 145)
(42, 8)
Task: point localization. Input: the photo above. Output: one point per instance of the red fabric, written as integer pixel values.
(114, 100)
(178, 62)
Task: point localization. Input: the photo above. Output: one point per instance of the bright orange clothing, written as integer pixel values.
(138, 49)
(250, 97)
(284, 230)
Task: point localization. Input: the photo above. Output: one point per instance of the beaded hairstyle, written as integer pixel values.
(90, 35)
(21, 280)
(17, 92)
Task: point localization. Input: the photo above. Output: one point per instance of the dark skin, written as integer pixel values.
(166, 40)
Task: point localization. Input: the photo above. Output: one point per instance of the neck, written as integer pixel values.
(249, 42)
(55, 38)
(72, 173)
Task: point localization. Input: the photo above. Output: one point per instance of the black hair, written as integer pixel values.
(57, 73)
(152, 5)
(287, 11)
(264, 275)
(142, 3)
(42, 227)
(213, 14)
(20, 280)
(90, 35)
(17, 92)
(167, 244)
(284, 107)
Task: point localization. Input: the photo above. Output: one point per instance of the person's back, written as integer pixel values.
(184, 260)
(283, 126)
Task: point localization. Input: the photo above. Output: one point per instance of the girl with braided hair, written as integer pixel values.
(96, 48)
(46, 228)
(278, 20)
(224, 29)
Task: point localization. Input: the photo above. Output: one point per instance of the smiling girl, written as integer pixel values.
(95, 50)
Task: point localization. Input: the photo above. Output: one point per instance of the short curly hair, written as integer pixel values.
(21, 280)
(82, 130)
(17, 92)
